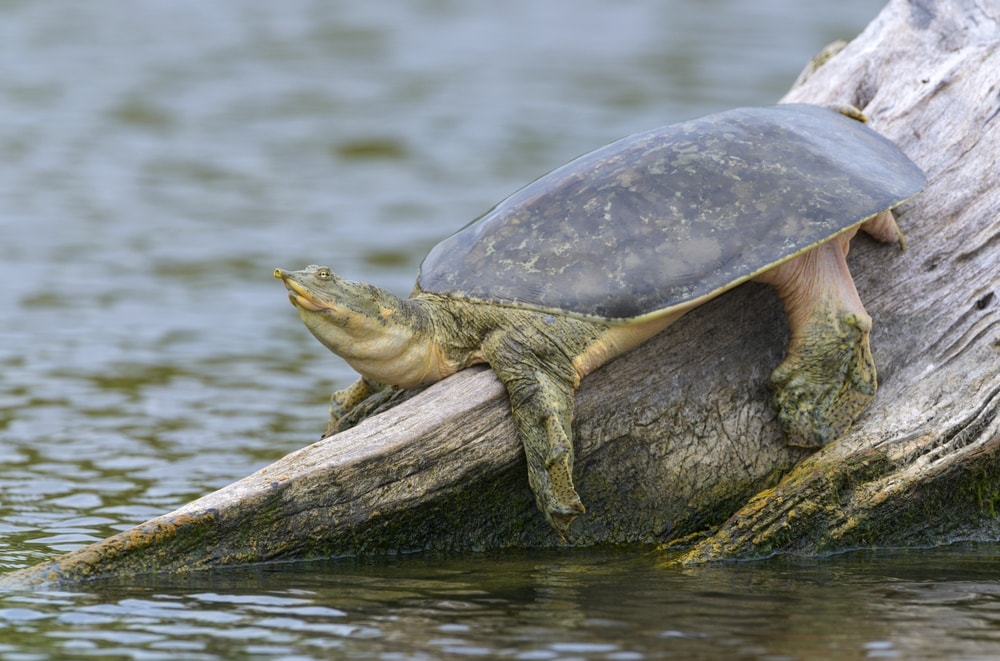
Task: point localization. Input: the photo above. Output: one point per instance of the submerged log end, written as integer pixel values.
(155, 546)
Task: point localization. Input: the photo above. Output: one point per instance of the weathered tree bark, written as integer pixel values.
(676, 441)
(923, 464)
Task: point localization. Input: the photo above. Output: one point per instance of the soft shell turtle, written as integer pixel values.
(598, 256)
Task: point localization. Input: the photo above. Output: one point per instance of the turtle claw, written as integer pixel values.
(561, 520)
(821, 388)
(882, 227)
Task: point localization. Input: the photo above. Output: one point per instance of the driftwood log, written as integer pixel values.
(676, 441)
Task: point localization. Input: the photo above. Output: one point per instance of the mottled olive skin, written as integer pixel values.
(598, 256)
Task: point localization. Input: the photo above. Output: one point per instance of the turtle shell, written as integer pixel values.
(660, 218)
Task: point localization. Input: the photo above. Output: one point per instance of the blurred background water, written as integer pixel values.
(159, 159)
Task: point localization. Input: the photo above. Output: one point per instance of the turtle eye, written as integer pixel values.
(324, 273)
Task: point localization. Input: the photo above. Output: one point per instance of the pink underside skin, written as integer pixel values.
(821, 277)
(817, 278)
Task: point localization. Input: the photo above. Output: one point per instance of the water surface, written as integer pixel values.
(533, 605)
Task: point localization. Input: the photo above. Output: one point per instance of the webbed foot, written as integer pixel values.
(541, 400)
(826, 381)
(828, 376)
(562, 503)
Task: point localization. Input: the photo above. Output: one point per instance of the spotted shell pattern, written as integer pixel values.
(660, 218)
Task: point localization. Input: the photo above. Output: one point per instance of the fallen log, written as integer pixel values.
(676, 441)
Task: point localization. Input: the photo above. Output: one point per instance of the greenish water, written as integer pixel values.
(159, 159)
(600, 604)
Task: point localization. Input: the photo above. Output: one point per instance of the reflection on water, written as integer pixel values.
(536, 605)
(158, 160)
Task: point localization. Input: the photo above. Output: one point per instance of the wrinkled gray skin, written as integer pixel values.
(605, 252)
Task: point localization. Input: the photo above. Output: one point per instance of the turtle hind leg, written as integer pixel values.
(828, 376)
(827, 379)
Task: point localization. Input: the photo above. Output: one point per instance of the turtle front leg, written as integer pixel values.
(541, 400)
(544, 416)
(343, 401)
(828, 376)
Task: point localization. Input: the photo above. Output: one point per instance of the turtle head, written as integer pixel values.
(382, 336)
